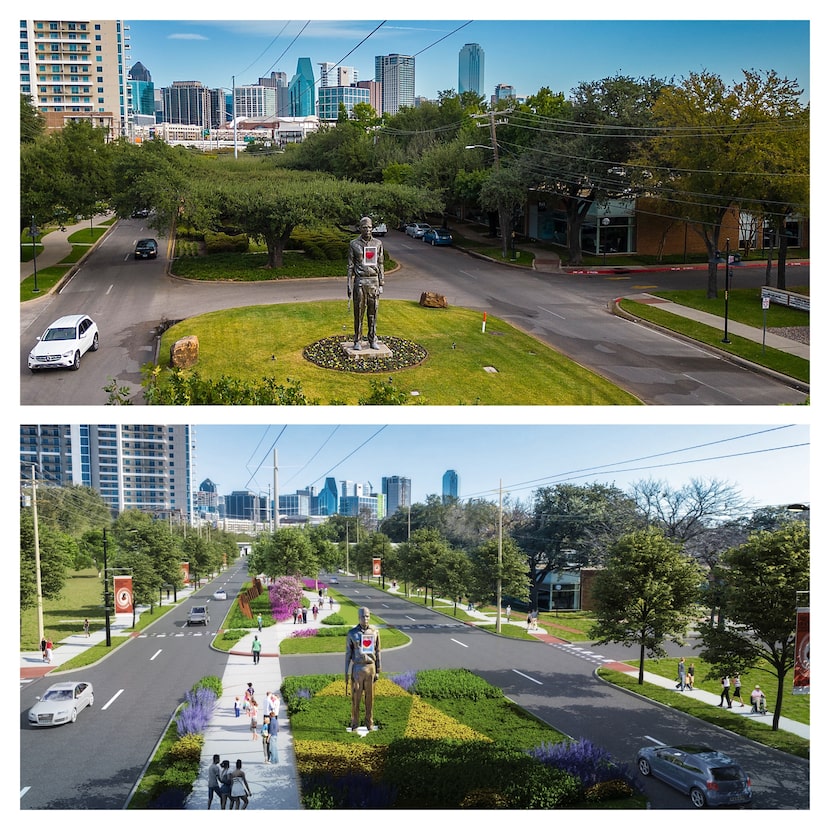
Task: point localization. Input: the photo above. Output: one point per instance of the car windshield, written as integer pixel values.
(58, 694)
(60, 334)
(731, 773)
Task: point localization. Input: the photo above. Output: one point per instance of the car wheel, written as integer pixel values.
(74, 715)
(644, 766)
(94, 346)
(697, 797)
(91, 700)
(76, 363)
(33, 370)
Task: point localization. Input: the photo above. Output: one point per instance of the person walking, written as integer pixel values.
(86, 627)
(213, 783)
(273, 730)
(48, 650)
(681, 674)
(259, 621)
(736, 689)
(507, 614)
(43, 648)
(256, 648)
(265, 734)
(224, 784)
(724, 693)
(314, 612)
(305, 615)
(253, 718)
(240, 791)
(294, 613)
(690, 677)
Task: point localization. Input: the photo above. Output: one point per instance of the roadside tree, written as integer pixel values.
(647, 593)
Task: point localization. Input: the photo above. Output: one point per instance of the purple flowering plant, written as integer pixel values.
(285, 595)
(590, 763)
(196, 713)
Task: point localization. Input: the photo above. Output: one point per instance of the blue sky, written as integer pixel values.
(768, 463)
(527, 54)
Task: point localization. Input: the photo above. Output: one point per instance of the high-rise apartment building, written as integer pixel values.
(449, 486)
(397, 491)
(76, 70)
(396, 74)
(255, 101)
(471, 69)
(187, 102)
(141, 467)
(142, 92)
(329, 99)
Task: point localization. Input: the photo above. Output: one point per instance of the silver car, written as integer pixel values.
(417, 229)
(61, 703)
(708, 777)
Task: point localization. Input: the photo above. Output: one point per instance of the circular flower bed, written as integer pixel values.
(329, 354)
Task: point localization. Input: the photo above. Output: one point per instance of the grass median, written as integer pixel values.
(464, 365)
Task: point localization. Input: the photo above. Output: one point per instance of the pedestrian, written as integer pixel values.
(253, 715)
(273, 729)
(535, 620)
(256, 648)
(690, 677)
(236, 706)
(507, 614)
(86, 626)
(224, 784)
(249, 692)
(724, 693)
(43, 648)
(265, 734)
(240, 791)
(736, 689)
(48, 650)
(681, 674)
(267, 705)
(259, 621)
(314, 612)
(529, 620)
(214, 784)
(305, 615)
(331, 603)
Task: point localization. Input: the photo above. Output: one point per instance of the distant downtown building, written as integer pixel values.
(301, 96)
(449, 486)
(397, 490)
(471, 69)
(133, 467)
(396, 74)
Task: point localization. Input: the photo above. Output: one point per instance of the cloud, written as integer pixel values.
(186, 36)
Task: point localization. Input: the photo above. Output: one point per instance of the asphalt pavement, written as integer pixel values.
(56, 247)
(276, 786)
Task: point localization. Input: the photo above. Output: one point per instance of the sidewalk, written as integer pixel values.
(56, 245)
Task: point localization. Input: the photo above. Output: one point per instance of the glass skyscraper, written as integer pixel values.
(449, 486)
(301, 90)
(471, 69)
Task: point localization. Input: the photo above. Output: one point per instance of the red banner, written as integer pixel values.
(801, 670)
(376, 571)
(185, 572)
(122, 587)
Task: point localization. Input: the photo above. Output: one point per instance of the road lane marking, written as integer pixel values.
(528, 677)
(112, 699)
(458, 642)
(653, 740)
(560, 316)
(24, 791)
(156, 654)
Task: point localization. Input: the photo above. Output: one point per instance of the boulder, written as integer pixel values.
(184, 353)
(429, 299)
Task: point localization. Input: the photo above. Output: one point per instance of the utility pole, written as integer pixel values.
(498, 574)
(106, 594)
(38, 584)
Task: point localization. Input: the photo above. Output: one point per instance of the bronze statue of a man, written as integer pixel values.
(364, 281)
(363, 666)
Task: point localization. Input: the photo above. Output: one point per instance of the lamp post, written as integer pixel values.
(33, 232)
(725, 338)
(604, 237)
(106, 596)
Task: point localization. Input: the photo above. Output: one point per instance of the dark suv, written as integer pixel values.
(146, 249)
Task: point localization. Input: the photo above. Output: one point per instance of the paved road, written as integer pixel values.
(129, 299)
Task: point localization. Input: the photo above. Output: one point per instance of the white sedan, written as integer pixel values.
(61, 703)
(64, 343)
(220, 594)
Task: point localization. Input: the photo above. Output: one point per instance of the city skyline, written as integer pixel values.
(768, 464)
(218, 53)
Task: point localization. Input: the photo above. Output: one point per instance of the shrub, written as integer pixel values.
(196, 712)
(607, 790)
(352, 792)
(285, 595)
(406, 680)
(333, 619)
(456, 683)
(304, 632)
(187, 748)
(221, 243)
(590, 763)
(211, 682)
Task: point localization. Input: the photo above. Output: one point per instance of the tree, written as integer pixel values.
(762, 579)
(32, 122)
(485, 571)
(571, 526)
(504, 191)
(452, 575)
(646, 594)
(712, 144)
(421, 556)
(286, 552)
(57, 554)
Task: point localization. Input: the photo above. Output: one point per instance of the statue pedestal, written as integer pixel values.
(365, 350)
(361, 731)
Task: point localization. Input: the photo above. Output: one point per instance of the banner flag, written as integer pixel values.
(122, 587)
(801, 669)
(376, 571)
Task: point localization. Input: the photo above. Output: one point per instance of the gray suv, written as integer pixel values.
(198, 615)
(707, 776)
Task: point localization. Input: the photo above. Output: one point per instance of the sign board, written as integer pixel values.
(787, 298)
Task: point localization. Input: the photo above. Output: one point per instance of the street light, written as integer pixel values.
(725, 338)
(604, 237)
(33, 232)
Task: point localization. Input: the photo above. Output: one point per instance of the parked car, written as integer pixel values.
(146, 249)
(334, 580)
(140, 213)
(438, 236)
(707, 776)
(379, 229)
(64, 343)
(220, 594)
(61, 703)
(198, 615)
(416, 229)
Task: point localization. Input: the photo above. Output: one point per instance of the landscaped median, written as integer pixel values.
(467, 361)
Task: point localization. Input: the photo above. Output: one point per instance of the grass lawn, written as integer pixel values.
(268, 341)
